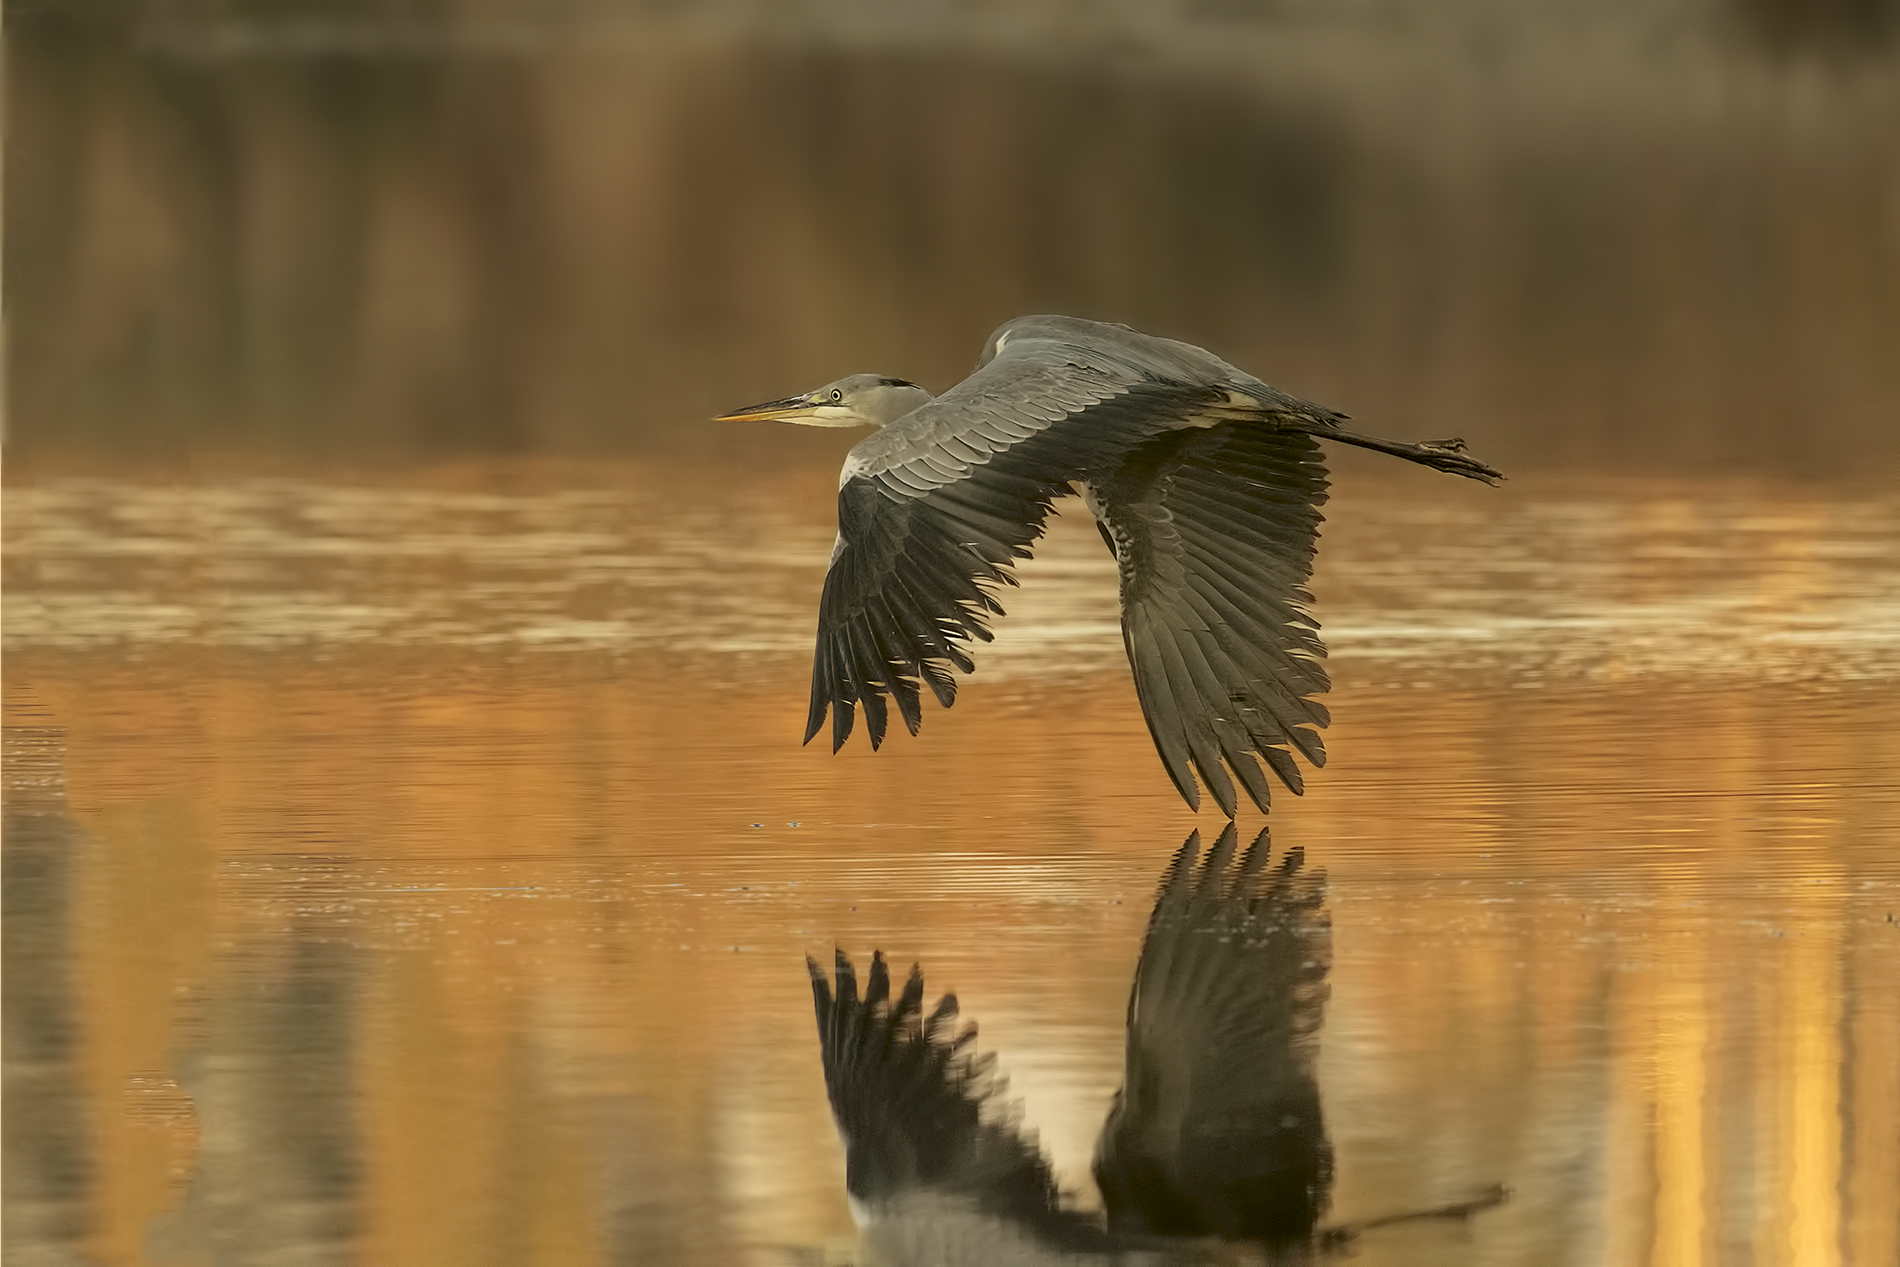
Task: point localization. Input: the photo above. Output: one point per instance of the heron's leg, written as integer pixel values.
(1440, 455)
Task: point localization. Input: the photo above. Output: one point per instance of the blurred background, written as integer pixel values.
(1628, 235)
(409, 853)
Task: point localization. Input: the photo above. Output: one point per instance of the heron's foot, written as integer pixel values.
(1452, 455)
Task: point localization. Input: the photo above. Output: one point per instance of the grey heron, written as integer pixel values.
(1205, 483)
(1216, 1131)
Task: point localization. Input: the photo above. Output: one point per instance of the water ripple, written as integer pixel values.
(1618, 582)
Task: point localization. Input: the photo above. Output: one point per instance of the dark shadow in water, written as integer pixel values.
(277, 1172)
(1217, 1129)
(48, 1176)
(270, 1080)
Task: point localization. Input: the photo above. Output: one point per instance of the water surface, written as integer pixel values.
(419, 869)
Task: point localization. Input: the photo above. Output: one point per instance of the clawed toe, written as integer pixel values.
(1452, 456)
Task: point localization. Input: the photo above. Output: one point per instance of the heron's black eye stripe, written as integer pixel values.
(895, 382)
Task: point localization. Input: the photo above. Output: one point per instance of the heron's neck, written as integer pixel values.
(886, 405)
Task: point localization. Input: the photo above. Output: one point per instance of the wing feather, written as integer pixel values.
(1234, 750)
(1291, 714)
(1215, 529)
(1202, 740)
(919, 1109)
(1217, 1128)
(928, 535)
(1163, 715)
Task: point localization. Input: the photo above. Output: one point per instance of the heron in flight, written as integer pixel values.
(1205, 482)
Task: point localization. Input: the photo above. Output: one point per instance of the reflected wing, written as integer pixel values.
(918, 1109)
(934, 510)
(1214, 529)
(1217, 1127)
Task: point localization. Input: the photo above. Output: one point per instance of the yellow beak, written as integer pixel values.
(771, 411)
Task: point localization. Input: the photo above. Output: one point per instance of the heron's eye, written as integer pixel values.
(836, 395)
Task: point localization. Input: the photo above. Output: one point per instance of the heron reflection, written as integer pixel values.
(1216, 1131)
(1205, 482)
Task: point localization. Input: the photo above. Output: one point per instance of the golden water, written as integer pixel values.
(419, 870)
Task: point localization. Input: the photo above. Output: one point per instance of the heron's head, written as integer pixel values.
(862, 400)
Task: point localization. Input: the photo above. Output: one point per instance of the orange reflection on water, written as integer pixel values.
(464, 950)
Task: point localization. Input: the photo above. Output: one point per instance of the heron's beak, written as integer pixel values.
(791, 409)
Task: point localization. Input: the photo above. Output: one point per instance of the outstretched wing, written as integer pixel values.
(1214, 529)
(934, 509)
(1217, 1128)
(914, 1103)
